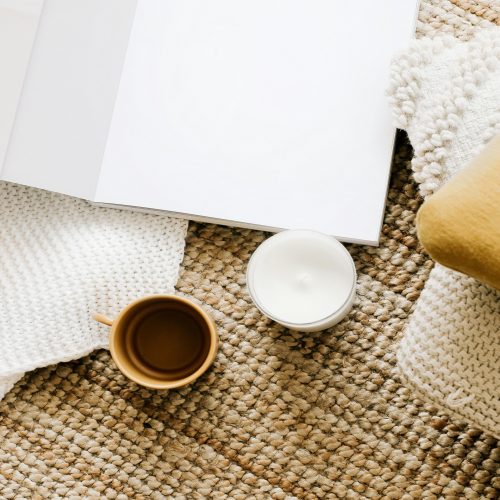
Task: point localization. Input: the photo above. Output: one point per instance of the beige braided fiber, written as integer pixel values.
(280, 415)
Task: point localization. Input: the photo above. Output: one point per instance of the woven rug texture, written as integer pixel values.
(280, 415)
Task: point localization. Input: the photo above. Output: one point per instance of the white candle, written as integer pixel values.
(304, 280)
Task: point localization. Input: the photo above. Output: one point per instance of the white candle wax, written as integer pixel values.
(302, 279)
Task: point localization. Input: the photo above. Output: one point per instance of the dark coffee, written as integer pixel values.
(162, 341)
(167, 341)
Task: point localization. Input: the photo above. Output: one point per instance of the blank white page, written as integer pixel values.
(18, 24)
(62, 121)
(261, 113)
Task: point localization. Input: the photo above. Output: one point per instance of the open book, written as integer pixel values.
(267, 114)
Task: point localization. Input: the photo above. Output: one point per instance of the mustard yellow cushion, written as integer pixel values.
(459, 225)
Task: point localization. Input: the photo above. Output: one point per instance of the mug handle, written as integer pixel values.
(102, 319)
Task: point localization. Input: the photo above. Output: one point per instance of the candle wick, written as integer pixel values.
(303, 279)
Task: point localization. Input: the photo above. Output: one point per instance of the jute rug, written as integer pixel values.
(281, 415)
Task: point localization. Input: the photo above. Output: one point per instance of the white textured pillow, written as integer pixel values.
(62, 259)
(446, 95)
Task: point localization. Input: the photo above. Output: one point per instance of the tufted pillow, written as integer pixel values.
(446, 94)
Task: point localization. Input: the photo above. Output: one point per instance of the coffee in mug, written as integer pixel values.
(162, 341)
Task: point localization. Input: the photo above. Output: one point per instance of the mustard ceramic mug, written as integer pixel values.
(162, 341)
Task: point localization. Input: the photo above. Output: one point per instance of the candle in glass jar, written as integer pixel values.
(304, 280)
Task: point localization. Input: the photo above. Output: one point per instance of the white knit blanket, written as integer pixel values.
(62, 259)
(446, 95)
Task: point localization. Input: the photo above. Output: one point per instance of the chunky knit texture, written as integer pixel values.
(280, 415)
(446, 94)
(62, 259)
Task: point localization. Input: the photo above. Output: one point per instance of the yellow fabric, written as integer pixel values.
(460, 224)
